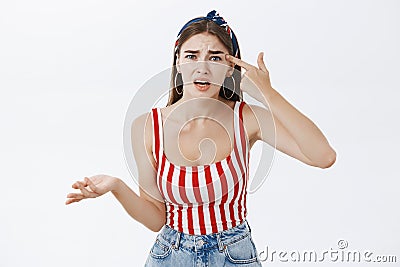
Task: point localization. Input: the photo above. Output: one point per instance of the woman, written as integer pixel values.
(196, 200)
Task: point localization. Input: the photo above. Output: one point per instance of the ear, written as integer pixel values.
(178, 67)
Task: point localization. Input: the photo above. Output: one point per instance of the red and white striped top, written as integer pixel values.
(208, 198)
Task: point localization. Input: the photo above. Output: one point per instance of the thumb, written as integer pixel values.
(91, 185)
(260, 62)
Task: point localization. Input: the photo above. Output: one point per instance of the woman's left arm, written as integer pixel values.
(294, 126)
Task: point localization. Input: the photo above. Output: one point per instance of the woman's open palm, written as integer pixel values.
(91, 187)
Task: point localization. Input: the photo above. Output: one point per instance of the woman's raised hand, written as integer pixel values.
(92, 187)
(255, 81)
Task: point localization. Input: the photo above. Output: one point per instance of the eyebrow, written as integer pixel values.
(209, 51)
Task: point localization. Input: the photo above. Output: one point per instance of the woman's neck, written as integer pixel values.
(199, 108)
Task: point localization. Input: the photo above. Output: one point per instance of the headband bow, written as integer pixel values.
(215, 17)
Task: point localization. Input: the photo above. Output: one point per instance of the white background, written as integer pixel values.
(68, 71)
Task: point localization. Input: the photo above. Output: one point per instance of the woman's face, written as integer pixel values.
(202, 58)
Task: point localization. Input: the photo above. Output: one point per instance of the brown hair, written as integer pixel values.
(212, 28)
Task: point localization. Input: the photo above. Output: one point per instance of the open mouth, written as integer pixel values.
(202, 85)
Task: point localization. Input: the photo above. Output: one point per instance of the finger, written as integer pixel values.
(75, 195)
(260, 62)
(239, 62)
(81, 187)
(69, 201)
(85, 192)
(91, 184)
(72, 200)
(75, 185)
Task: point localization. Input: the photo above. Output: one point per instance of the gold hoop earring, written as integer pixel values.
(176, 87)
(233, 91)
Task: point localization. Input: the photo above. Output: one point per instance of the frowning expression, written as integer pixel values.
(203, 65)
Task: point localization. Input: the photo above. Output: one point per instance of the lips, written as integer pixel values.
(202, 85)
(202, 81)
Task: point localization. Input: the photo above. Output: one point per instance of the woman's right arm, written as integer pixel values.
(145, 211)
(148, 208)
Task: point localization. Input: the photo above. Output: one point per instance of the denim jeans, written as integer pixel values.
(232, 247)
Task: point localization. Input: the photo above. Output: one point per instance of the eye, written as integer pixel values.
(188, 56)
(216, 57)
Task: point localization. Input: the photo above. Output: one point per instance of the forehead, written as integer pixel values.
(203, 41)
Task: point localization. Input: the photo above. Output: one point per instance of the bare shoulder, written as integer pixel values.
(250, 111)
(142, 129)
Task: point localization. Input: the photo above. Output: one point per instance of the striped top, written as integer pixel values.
(207, 198)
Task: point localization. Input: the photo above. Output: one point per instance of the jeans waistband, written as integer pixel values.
(211, 241)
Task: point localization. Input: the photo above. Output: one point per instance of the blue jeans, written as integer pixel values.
(232, 247)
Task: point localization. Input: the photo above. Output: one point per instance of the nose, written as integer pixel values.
(202, 66)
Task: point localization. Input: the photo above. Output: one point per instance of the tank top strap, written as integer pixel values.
(157, 134)
(240, 134)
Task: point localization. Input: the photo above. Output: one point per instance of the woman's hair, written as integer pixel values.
(218, 31)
